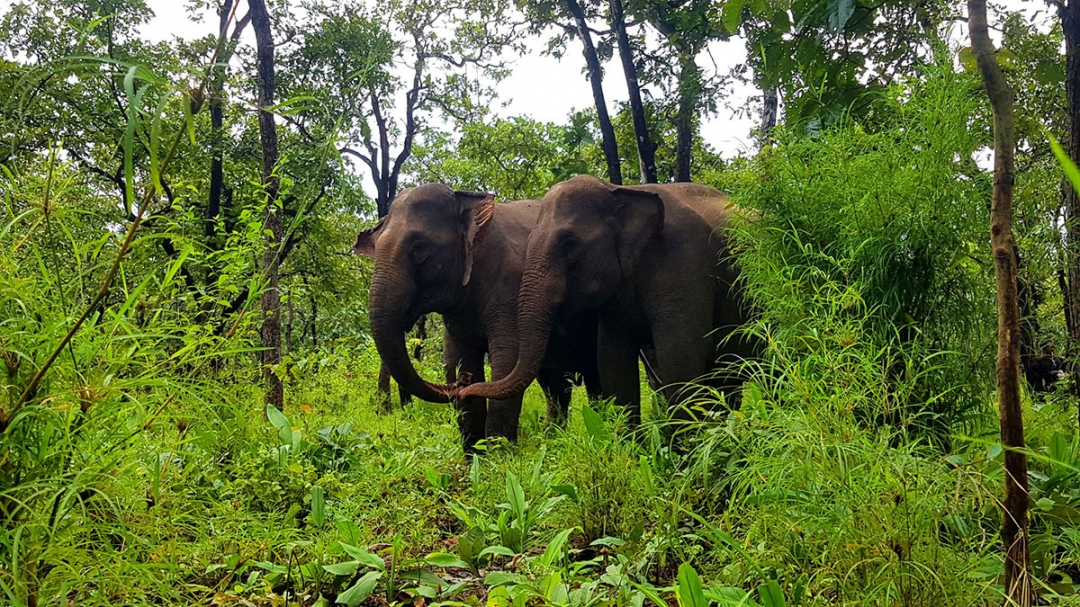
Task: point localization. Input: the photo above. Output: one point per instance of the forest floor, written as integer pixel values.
(335, 501)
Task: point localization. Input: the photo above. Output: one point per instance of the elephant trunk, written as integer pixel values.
(542, 291)
(388, 301)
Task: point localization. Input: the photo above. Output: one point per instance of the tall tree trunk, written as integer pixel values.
(217, 115)
(596, 77)
(770, 103)
(689, 93)
(1014, 535)
(645, 146)
(1069, 13)
(271, 298)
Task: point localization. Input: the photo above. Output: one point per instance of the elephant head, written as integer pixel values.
(588, 239)
(423, 252)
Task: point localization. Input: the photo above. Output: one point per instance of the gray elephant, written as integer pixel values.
(461, 255)
(653, 262)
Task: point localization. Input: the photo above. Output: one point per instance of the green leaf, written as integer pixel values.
(277, 418)
(1045, 503)
(1067, 165)
(594, 425)
(347, 568)
(499, 597)
(1049, 73)
(499, 550)
(442, 559)
(515, 495)
(500, 578)
(688, 592)
(318, 506)
(365, 557)
(771, 594)
(839, 11)
(567, 490)
(361, 590)
(1007, 59)
(967, 59)
(554, 552)
(731, 14)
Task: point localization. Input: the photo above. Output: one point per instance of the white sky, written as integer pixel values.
(534, 77)
(548, 89)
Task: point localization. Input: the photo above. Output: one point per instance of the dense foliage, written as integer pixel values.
(139, 463)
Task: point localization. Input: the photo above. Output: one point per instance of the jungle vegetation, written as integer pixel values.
(189, 411)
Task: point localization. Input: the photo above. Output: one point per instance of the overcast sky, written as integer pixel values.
(529, 90)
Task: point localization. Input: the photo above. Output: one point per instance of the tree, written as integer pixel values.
(1014, 534)
(571, 20)
(646, 148)
(350, 61)
(687, 27)
(596, 80)
(270, 298)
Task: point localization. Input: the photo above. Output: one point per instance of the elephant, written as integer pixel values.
(462, 255)
(653, 262)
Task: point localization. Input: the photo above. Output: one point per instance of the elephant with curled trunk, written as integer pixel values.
(461, 255)
(653, 261)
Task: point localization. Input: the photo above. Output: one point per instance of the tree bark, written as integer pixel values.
(596, 77)
(271, 297)
(645, 146)
(217, 116)
(770, 103)
(689, 93)
(1069, 13)
(1014, 534)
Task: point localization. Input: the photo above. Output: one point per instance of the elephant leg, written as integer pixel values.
(617, 357)
(503, 416)
(558, 389)
(403, 396)
(683, 355)
(472, 412)
(382, 390)
(593, 388)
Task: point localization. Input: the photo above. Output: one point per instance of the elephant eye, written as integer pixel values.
(420, 250)
(569, 248)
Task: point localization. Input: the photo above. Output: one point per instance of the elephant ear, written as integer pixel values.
(477, 209)
(638, 217)
(365, 241)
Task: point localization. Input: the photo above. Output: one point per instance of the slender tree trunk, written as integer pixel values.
(1014, 534)
(271, 298)
(596, 77)
(217, 116)
(689, 93)
(770, 103)
(1069, 13)
(645, 146)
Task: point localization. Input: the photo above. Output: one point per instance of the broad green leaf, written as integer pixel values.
(771, 594)
(555, 549)
(515, 495)
(365, 557)
(499, 597)
(567, 490)
(499, 550)
(731, 14)
(360, 591)
(277, 418)
(500, 578)
(967, 59)
(318, 506)
(346, 568)
(442, 559)
(594, 425)
(688, 592)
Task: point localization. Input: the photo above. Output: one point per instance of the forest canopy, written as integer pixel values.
(194, 410)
